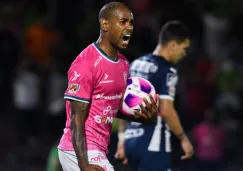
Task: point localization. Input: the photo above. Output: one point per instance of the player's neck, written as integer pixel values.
(107, 48)
(162, 52)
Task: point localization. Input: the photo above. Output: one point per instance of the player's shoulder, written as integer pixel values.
(85, 59)
(89, 53)
(145, 58)
(169, 69)
(170, 72)
(166, 66)
(150, 58)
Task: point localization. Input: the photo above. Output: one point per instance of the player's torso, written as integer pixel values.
(107, 84)
(150, 137)
(108, 91)
(110, 83)
(151, 68)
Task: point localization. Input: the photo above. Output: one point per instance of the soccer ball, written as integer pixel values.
(137, 89)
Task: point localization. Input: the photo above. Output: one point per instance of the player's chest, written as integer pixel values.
(112, 78)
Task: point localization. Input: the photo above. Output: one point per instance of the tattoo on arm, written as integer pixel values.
(79, 114)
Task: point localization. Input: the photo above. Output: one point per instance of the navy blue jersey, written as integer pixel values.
(161, 73)
(154, 139)
(147, 147)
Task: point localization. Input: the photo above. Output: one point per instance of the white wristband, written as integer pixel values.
(121, 136)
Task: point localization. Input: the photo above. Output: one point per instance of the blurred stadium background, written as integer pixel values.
(39, 40)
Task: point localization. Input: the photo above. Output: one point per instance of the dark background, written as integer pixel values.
(36, 54)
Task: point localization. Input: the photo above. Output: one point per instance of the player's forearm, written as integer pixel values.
(171, 118)
(121, 126)
(78, 139)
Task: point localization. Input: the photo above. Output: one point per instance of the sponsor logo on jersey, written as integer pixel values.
(114, 97)
(109, 110)
(105, 79)
(134, 133)
(98, 158)
(103, 119)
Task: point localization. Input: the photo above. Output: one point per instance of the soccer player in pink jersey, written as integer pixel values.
(96, 83)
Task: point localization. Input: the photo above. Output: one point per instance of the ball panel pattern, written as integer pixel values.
(132, 100)
(137, 89)
(144, 86)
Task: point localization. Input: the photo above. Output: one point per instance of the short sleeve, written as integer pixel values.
(80, 81)
(168, 85)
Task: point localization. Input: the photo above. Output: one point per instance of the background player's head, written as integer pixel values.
(116, 24)
(174, 36)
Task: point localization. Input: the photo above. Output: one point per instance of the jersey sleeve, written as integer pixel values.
(80, 81)
(168, 85)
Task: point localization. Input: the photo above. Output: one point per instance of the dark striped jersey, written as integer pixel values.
(163, 75)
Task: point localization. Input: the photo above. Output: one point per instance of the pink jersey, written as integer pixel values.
(96, 79)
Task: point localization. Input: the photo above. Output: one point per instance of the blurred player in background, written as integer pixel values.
(53, 163)
(96, 83)
(147, 147)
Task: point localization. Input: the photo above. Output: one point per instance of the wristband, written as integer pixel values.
(121, 136)
(181, 135)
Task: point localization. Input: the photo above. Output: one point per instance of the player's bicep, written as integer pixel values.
(79, 112)
(79, 107)
(166, 105)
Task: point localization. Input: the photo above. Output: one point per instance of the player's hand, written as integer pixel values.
(120, 152)
(92, 167)
(187, 148)
(149, 113)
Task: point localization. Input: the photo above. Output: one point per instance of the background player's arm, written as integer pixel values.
(169, 114)
(79, 112)
(120, 153)
(171, 118)
(121, 125)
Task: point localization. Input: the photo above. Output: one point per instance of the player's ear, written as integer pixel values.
(173, 44)
(104, 24)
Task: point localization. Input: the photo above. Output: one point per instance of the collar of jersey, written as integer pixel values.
(161, 58)
(103, 54)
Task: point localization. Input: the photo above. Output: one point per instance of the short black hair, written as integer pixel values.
(107, 9)
(173, 30)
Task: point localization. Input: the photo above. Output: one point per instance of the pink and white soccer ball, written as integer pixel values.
(137, 89)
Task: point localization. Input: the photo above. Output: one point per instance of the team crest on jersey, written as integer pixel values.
(73, 88)
(125, 76)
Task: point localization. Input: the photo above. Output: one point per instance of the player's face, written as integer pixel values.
(121, 27)
(180, 50)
